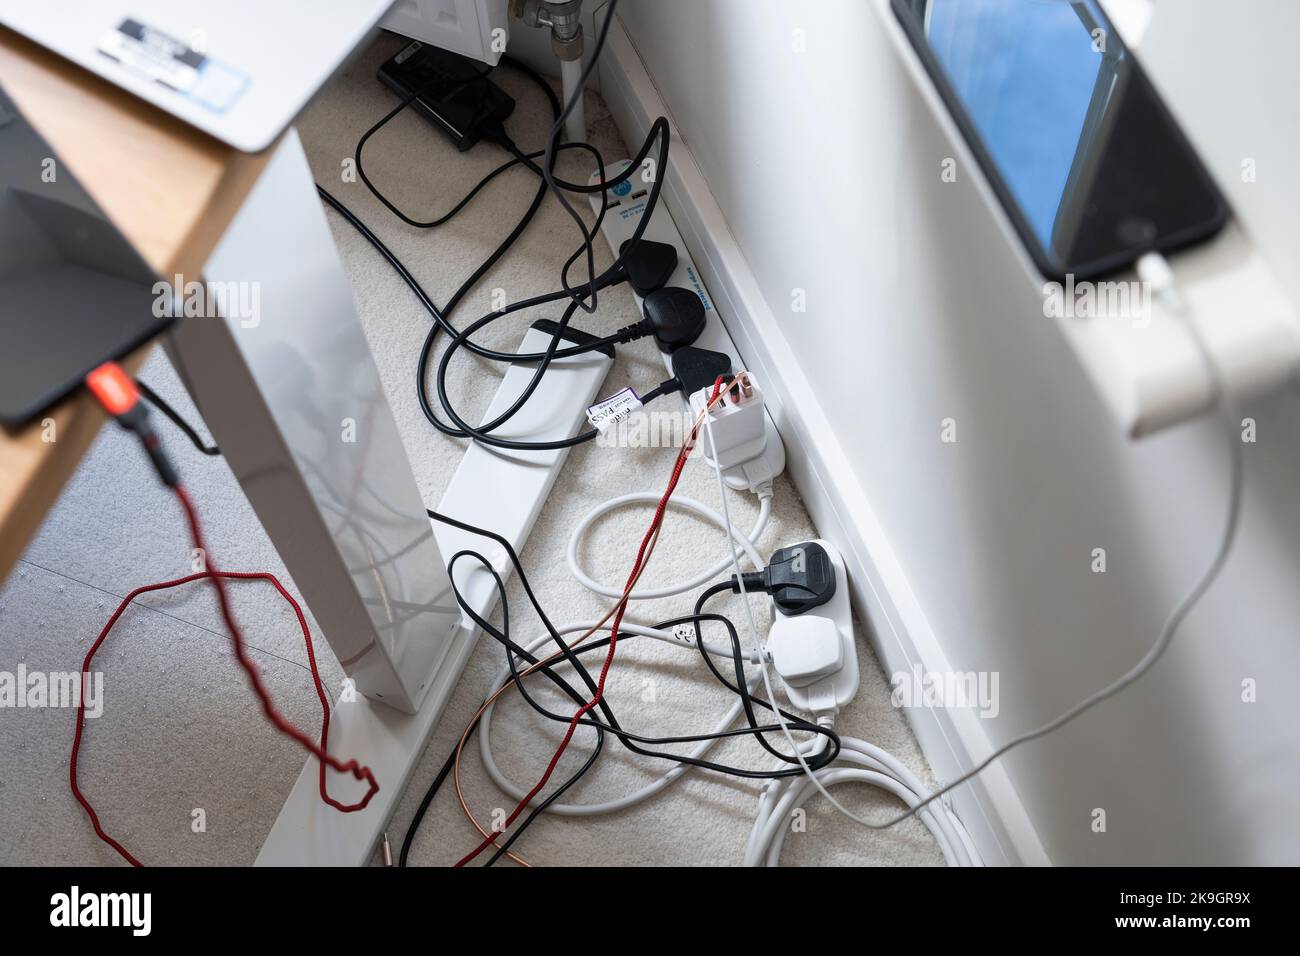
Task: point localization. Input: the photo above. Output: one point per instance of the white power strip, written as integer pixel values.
(628, 205)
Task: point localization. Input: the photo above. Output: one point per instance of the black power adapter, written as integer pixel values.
(450, 92)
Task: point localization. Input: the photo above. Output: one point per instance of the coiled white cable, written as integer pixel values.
(858, 762)
(745, 543)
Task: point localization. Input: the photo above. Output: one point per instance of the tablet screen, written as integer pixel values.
(73, 291)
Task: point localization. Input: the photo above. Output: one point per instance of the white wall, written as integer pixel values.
(826, 166)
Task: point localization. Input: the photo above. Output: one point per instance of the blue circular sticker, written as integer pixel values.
(622, 189)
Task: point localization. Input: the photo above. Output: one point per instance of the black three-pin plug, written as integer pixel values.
(799, 578)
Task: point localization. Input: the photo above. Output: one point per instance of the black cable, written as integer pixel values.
(431, 307)
(660, 390)
(415, 287)
(423, 808)
(611, 275)
(438, 781)
(481, 433)
(603, 184)
(157, 402)
(625, 737)
(503, 139)
(740, 687)
(572, 656)
(616, 273)
(460, 428)
(440, 315)
(555, 678)
(461, 338)
(628, 738)
(432, 86)
(517, 831)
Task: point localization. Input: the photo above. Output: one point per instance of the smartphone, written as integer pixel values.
(1085, 158)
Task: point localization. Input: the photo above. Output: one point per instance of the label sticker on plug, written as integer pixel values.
(612, 410)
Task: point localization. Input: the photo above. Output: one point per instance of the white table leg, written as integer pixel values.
(287, 385)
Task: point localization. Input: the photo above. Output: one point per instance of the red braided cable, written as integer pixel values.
(250, 669)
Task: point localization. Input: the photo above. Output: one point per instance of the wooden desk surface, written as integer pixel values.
(169, 188)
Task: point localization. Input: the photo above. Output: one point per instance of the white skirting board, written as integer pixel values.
(952, 740)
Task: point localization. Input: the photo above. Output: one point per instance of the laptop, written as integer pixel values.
(241, 70)
(73, 292)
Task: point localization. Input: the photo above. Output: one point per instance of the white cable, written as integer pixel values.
(745, 543)
(622, 803)
(858, 762)
(1155, 270)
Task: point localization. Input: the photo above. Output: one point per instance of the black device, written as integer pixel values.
(1085, 158)
(73, 292)
(450, 91)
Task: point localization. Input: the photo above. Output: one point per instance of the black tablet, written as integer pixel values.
(73, 291)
